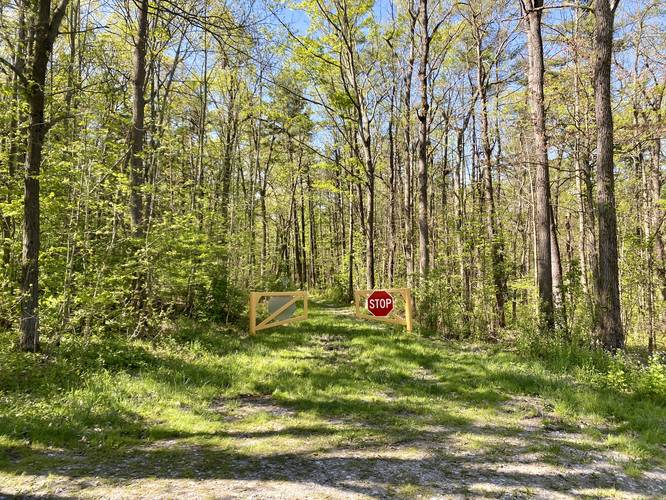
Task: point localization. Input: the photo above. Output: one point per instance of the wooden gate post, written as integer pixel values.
(407, 296)
(253, 313)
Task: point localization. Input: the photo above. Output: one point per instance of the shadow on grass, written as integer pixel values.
(351, 375)
(369, 475)
(24, 496)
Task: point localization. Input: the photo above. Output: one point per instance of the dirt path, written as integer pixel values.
(268, 448)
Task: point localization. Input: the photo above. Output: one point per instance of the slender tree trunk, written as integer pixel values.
(392, 200)
(294, 249)
(369, 163)
(570, 297)
(496, 247)
(535, 78)
(586, 227)
(304, 257)
(350, 253)
(45, 32)
(459, 189)
(16, 139)
(609, 323)
(658, 222)
(656, 253)
(313, 238)
(203, 119)
(262, 208)
(138, 118)
(559, 306)
(370, 241)
(422, 114)
(137, 169)
(341, 226)
(409, 159)
(230, 138)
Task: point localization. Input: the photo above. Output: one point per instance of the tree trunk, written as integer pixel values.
(137, 169)
(658, 215)
(609, 323)
(304, 257)
(15, 138)
(535, 78)
(297, 237)
(559, 307)
(45, 32)
(313, 238)
(138, 119)
(350, 253)
(586, 227)
(262, 207)
(409, 160)
(422, 114)
(459, 189)
(497, 257)
(391, 243)
(370, 241)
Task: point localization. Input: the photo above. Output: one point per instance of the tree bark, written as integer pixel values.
(350, 253)
(422, 114)
(408, 158)
(586, 226)
(559, 307)
(137, 169)
(45, 33)
(535, 78)
(496, 247)
(138, 119)
(15, 138)
(658, 216)
(313, 238)
(391, 243)
(609, 323)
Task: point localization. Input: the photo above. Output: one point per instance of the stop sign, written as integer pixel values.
(380, 303)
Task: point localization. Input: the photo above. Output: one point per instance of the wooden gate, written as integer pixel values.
(270, 321)
(405, 293)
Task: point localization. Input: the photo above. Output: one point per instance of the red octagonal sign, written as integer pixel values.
(380, 303)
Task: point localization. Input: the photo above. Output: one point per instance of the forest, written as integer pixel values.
(502, 158)
(160, 160)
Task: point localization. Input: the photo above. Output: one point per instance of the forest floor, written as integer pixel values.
(329, 408)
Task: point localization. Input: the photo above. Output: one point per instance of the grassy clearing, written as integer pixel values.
(207, 399)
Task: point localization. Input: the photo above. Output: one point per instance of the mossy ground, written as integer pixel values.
(327, 408)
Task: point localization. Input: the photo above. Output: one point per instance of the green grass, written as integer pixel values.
(330, 382)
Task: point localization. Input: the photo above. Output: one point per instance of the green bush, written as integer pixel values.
(337, 292)
(621, 372)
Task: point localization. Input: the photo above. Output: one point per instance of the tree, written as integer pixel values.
(408, 157)
(345, 37)
(137, 169)
(423, 116)
(44, 32)
(533, 11)
(608, 293)
(477, 19)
